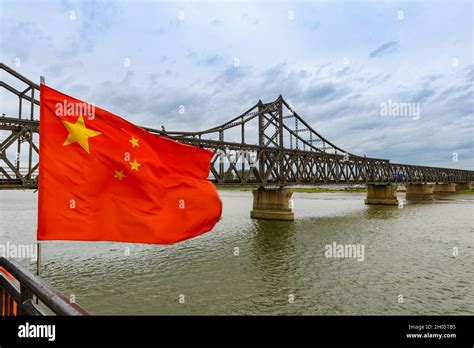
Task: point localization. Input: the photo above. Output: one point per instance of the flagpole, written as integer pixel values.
(38, 257)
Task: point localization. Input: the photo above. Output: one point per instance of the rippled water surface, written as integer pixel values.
(408, 251)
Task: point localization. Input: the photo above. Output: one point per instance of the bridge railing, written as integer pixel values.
(19, 288)
(18, 131)
(8, 173)
(235, 163)
(287, 150)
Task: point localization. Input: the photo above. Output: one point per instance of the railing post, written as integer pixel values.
(1, 300)
(25, 294)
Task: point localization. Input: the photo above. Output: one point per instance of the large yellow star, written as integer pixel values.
(134, 141)
(79, 133)
(134, 165)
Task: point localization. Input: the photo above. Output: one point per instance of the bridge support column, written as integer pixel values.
(384, 194)
(272, 204)
(419, 192)
(463, 186)
(445, 188)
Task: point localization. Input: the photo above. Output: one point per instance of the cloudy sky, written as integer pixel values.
(338, 63)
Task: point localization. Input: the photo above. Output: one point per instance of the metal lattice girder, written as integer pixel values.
(272, 160)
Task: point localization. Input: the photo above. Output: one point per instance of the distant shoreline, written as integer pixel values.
(294, 189)
(313, 189)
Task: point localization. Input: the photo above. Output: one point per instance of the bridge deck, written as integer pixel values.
(287, 150)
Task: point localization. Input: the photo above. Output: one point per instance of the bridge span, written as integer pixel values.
(270, 145)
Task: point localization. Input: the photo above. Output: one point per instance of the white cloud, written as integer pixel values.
(319, 60)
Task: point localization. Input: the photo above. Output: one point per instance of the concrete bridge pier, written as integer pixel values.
(445, 188)
(384, 194)
(419, 192)
(464, 186)
(272, 204)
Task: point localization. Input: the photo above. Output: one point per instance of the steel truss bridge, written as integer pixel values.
(270, 144)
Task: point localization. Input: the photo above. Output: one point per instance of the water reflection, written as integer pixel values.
(407, 250)
(273, 245)
(382, 211)
(274, 255)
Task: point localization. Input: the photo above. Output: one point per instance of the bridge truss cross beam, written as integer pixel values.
(270, 144)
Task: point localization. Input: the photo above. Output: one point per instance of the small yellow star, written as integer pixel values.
(134, 142)
(119, 175)
(135, 165)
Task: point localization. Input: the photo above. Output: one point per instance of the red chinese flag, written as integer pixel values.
(102, 178)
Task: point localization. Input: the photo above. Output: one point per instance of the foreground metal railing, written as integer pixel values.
(19, 287)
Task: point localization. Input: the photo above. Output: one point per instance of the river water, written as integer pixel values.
(423, 252)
